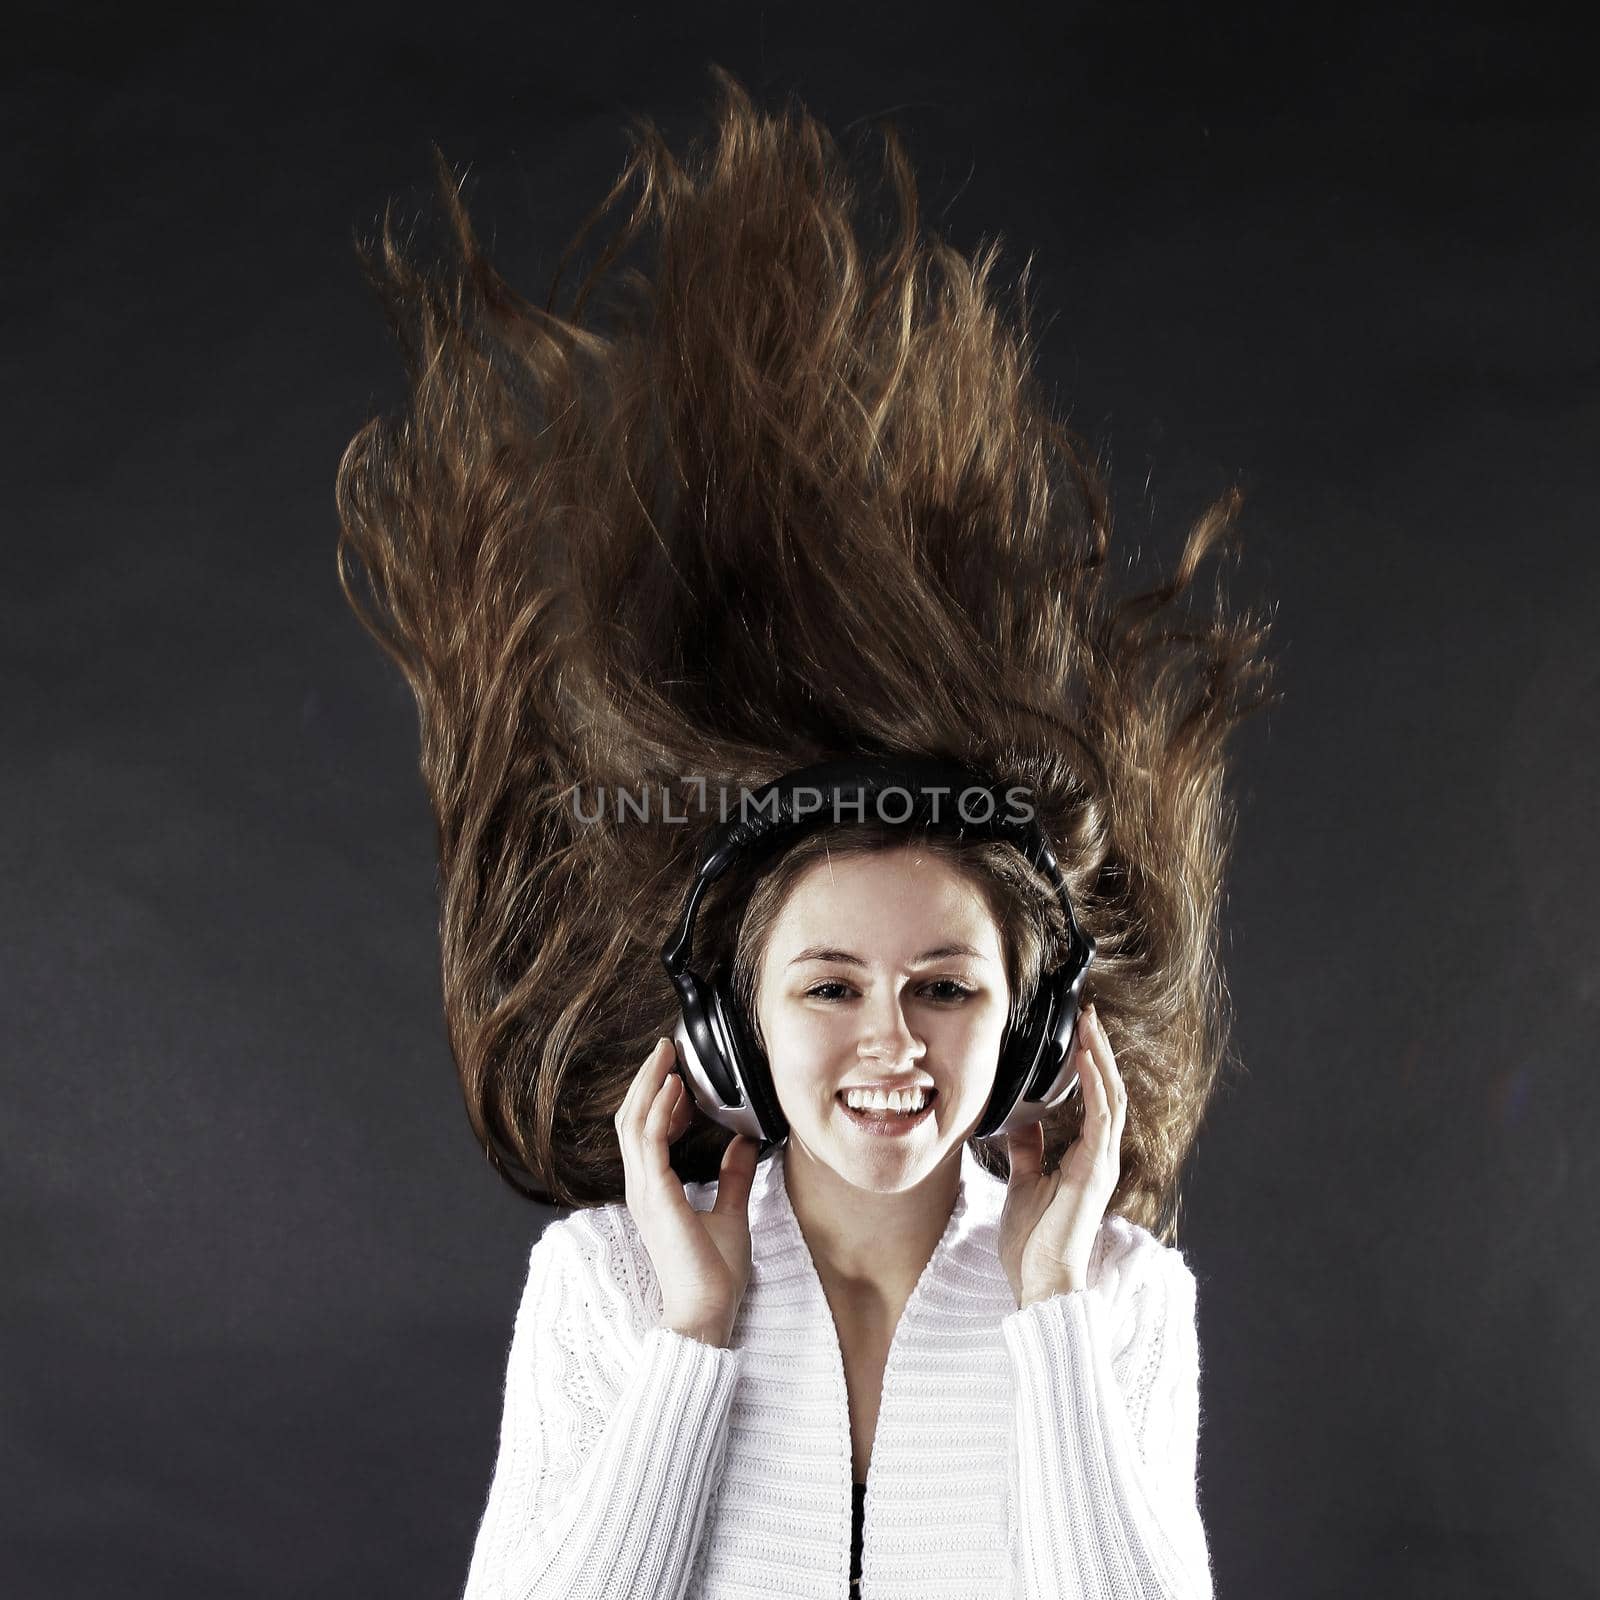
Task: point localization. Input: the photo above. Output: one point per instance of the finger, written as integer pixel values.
(1025, 1149)
(1119, 1097)
(682, 1109)
(1116, 1091)
(1083, 1046)
(631, 1093)
(653, 1141)
(642, 1091)
(1096, 1102)
(736, 1175)
(1113, 1093)
(1115, 1088)
(654, 1188)
(629, 1122)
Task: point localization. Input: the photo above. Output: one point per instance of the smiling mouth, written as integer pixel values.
(880, 1119)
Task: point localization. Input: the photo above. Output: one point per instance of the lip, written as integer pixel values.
(888, 1124)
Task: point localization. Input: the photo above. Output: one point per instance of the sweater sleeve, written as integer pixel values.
(1106, 1387)
(612, 1434)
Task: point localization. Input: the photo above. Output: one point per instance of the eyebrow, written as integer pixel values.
(817, 952)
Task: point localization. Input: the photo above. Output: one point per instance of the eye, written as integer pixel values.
(955, 992)
(816, 993)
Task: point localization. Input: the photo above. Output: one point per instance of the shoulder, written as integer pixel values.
(1144, 1280)
(597, 1256)
(601, 1251)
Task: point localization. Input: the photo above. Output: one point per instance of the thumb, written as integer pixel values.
(737, 1173)
(1025, 1148)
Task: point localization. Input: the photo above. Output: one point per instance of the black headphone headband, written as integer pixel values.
(727, 1070)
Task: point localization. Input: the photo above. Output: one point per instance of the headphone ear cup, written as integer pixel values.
(1019, 1055)
(1040, 1068)
(755, 1072)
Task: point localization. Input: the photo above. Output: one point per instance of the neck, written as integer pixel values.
(863, 1241)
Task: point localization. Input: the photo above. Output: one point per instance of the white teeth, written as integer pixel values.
(885, 1100)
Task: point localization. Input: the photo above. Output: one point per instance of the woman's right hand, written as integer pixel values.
(701, 1258)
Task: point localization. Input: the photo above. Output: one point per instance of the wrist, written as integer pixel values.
(717, 1334)
(1048, 1288)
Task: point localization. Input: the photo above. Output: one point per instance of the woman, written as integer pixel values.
(781, 499)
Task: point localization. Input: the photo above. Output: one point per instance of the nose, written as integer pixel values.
(885, 1035)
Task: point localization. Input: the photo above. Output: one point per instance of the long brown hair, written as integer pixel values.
(772, 489)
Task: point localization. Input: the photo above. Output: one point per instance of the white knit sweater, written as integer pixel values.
(1036, 1454)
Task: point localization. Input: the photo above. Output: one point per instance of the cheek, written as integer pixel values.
(804, 1054)
(803, 1089)
(976, 1042)
(811, 1033)
(985, 1020)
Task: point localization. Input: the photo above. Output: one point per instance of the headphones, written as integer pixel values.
(726, 1070)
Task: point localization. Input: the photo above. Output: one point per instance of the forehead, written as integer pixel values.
(886, 899)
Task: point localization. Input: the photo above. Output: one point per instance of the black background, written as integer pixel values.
(259, 1282)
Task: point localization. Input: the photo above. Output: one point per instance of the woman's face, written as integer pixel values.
(883, 970)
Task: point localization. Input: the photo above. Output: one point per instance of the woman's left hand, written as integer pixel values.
(1051, 1219)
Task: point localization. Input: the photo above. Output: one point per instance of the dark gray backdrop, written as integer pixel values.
(259, 1283)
